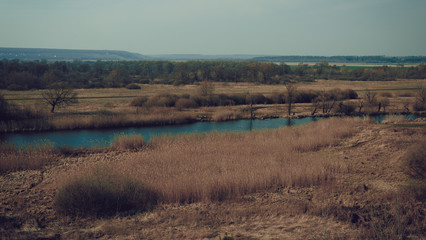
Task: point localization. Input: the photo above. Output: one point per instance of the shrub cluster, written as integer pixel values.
(104, 193)
(415, 160)
(187, 101)
(10, 111)
(133, 86)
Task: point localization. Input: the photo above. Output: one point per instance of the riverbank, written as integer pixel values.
(365, 186)
(167, 117)
(113, 108)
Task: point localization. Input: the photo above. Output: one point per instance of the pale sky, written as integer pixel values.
(265, 27)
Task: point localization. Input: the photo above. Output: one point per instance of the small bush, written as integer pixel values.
(133, 86)
(132, 142)
(416, 160)
(406, 94)
(346, 108)
(103, 193)
(138, 101)
(386, 94)
(185, 103)
(162, 100)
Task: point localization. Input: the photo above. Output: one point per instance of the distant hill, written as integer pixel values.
(202, 57)
(31, 54)
(344, 59)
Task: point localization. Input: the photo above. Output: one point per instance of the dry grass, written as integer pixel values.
(218, 166)
(105, 119)
(225, 115)
(35, 156)
(131, 142)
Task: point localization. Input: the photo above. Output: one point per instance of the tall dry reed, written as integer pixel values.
(217, 166)
(13, 158)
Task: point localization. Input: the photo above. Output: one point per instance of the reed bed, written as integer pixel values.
(13, 158)
(121, 120)
(218, 166)
(97, 121)
(131, 142)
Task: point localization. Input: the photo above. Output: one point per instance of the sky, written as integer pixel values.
(262, 27)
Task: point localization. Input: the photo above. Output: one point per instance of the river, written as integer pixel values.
(103, 137)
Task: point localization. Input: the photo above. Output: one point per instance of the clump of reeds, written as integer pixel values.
(35, 156)
(132, 142)
(218, 166)
(103, 192)
(225, 115)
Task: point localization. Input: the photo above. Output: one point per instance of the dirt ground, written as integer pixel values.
(335, 210)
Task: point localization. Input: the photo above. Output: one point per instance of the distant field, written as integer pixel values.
(118, 99)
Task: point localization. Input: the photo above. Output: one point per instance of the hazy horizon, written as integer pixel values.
(233, 27)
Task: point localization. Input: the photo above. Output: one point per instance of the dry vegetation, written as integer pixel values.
(333, 179)
(35, 156)
(148, 106)
(219, 166)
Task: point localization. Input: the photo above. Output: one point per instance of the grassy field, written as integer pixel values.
(109, 99)
(108, 108)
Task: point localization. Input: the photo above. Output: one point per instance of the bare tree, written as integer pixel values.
(420, 102)
(59, 94)
(206, 88)
(371, 97)
(291, 95)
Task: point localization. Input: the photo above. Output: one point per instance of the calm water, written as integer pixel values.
(103, 137)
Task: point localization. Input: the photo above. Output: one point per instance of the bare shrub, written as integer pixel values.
(138, 101)
(103, 193)
(420, 102)
(415, 158)
(185, 103)
(406, 94)
(133, 86)
(386, 94)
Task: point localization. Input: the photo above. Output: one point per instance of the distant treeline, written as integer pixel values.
(345, 59)
(17, 75)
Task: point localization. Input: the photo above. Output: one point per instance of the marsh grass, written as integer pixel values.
(219, 166)
(131, 142)
(35, 156)
(226, 115)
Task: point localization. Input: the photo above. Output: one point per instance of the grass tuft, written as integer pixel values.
(132, 142)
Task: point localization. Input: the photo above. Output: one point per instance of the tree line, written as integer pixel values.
(20, 75)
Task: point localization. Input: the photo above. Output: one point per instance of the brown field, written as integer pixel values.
(333, 179)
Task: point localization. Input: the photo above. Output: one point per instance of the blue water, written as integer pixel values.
(103, 137)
